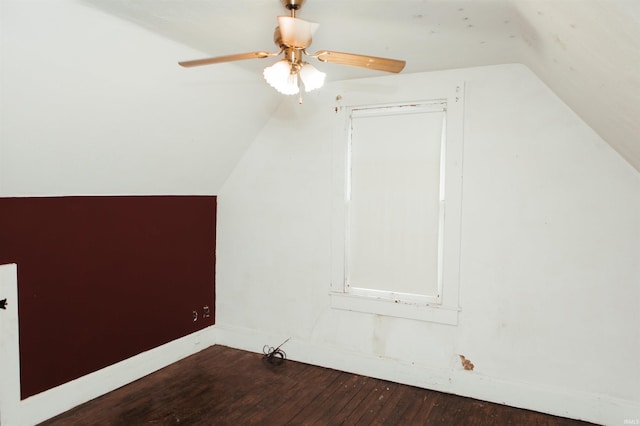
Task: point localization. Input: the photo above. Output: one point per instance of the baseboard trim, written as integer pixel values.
(596, 408)
(52, 402)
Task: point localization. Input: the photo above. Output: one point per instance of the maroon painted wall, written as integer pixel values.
(101, 279)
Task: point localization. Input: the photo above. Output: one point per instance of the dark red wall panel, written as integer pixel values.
(101, 279)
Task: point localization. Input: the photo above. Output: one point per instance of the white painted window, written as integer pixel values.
(391, 202)
(394, 201)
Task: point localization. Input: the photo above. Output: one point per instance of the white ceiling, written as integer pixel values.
(586, 51)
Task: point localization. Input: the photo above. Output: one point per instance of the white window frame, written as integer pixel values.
(444, 306)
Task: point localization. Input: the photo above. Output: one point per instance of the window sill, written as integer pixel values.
(400, 309)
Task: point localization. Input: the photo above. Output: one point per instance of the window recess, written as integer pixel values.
(396, 210)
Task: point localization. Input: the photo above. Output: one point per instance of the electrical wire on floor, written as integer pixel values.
(274, 356)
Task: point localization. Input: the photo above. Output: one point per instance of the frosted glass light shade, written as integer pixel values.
(280, 78)
(311, 77)
(296, 32)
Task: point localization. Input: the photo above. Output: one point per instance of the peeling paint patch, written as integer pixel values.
(466, 364)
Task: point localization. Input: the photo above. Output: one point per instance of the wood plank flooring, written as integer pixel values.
(225, 386)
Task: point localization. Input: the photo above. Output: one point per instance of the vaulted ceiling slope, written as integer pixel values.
(587, 51)
(91, 104)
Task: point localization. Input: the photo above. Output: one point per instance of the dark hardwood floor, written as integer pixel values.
(224, 386)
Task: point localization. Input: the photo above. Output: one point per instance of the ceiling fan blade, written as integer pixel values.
(364, 61)
(228, 58)
(296, 32)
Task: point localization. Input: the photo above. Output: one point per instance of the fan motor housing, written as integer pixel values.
(292, 4)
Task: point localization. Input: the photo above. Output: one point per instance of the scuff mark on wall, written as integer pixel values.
(380, 335)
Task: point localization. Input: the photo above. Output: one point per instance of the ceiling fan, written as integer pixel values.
(293, 37)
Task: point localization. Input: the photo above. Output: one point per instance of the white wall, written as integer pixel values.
(550, 253)
(93, 105)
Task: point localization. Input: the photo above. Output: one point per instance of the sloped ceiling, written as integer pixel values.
(91, 104)
(587, 51)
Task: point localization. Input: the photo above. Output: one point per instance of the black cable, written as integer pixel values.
(274, 356)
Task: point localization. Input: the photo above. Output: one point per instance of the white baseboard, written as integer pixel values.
(596, 408)
(601, 409)
(37, 408)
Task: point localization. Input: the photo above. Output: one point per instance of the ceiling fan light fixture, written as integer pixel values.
(311, 77)
(279, 77)
(296, 32)
(293, 36)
